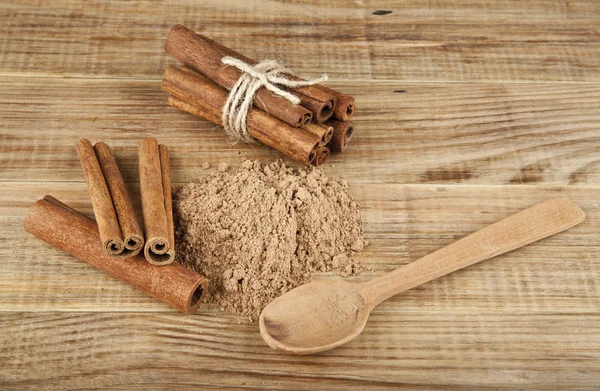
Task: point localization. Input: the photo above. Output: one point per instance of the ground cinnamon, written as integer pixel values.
(65, 228)
(261, 229)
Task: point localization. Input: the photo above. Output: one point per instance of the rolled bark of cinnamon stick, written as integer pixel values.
(65, 228)
(119, 232)
(324, 132)
(165, 171)
(344, 109)
(321, 155)
(321, 110)
(195, 109)
(204, 55)
(209, 99)
(160, 247)
(342, 132)
(133, 239)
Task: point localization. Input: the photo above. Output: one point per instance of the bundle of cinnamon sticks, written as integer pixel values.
(305, 132)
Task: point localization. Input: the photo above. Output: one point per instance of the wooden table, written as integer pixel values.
(467, 112)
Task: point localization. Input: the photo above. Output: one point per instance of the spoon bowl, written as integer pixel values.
(314, 317)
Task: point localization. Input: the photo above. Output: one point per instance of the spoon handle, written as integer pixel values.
(520, 229)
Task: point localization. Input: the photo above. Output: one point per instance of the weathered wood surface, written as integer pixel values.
(526, 319)
(458, 351)
(467, 112)
(405, 223)
(418, 40)
(423, 133)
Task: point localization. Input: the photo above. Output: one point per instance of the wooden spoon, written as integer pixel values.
(321, 315)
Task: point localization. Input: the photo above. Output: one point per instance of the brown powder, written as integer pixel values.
(262, 230)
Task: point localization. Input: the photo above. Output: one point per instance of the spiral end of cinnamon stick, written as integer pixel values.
(130, 247)
(113, 246)
(157, 252)
(313, 153)
(327, 136)
(347, 136)
(349, 112)
(196, 297)
(134, 242)
(305, 119)
(322, 155)
(342, 133)
(325, 111)
(345, 107)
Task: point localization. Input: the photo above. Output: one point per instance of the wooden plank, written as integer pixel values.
(458, 40)
(406, 132)
(463, 106)
(396, 351)
(557, 275)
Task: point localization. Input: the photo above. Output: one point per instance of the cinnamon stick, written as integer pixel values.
(204, 55)
(343, 104)
(342, 132)
(119, 231)
(324, 132)
(344, 109)
(321, 155)
(158, 227)
(321, 110)
(130, 229)
(65, 228)
(208, 99)
(165, 172)
(196, 109)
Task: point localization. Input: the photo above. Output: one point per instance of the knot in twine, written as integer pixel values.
(268, 74)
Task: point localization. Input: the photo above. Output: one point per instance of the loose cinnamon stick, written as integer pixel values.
(119, 232)
(63, 227)
(342, 132)
(159, 248)
(324, 132)
(204, 55)
(165, 172)
(321, 155)
(130, 229)
(208, 100)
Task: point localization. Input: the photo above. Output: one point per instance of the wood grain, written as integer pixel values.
(426, 351)
(466, 112)
(456, 40)
(557, 275)
(422, 133)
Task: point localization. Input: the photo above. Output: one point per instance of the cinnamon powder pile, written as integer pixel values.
(262, 230)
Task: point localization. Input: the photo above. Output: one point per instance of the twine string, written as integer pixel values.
(268, 74)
